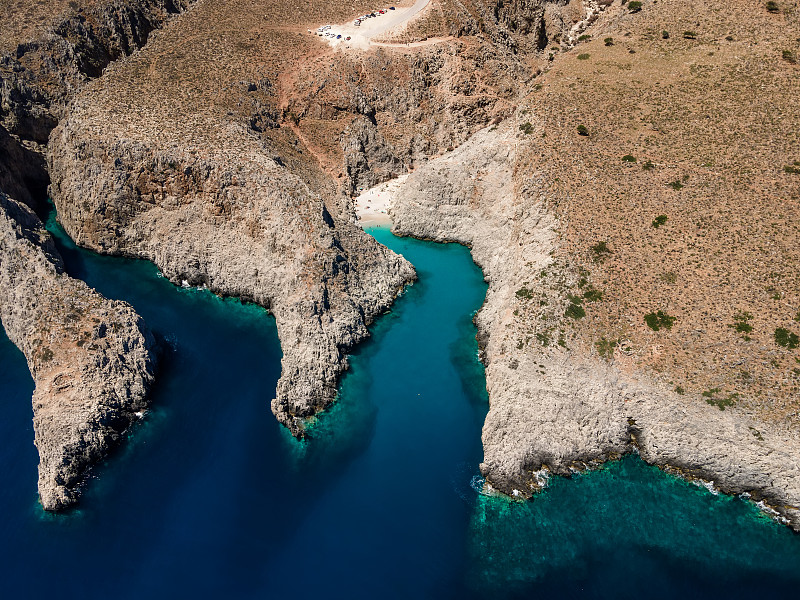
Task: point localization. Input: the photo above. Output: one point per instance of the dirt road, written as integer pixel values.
(361, 36)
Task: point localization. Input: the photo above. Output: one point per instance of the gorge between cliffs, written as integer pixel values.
(641, 264)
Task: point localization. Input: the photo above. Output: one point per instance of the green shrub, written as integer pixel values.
(583, 56)
(659, 221)
(524, 293)
(675, 185)
(584, 37)
(788, 56)
(575, 311)
(658, 320)
(629, 158)
(741, 322)
(665, 34)
(634, 6)
(609, 41)
(772, 7)
(787, 339)
(600, 250)
(592, 295)
(797, 316)
(689, 35)
(605, 348)
(526, 128)
(720, 403)
(582, 130)
(648, 165)
(794, 169)
(679, 390)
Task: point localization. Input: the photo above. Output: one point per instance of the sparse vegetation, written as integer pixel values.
(793, 168)
(575, 311)
(721, 403)
(675, 185)
(582, 130)
(609, 41)
(789, 56)
(629, 158)
(526, 128)
(741, 322)
(605, 348)
(772, 7)
(659, 320)
(665, 35)
(689, 35)
(583, 56)
(787, 339)
(648, 165)
(600, 251)
(679, 390)
(634, 6)
(668, 277)
(659, 221)
(592, 295)
(524, 293)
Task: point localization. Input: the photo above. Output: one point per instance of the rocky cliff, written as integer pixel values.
(554, 409)
(175, 155)
(91, 358)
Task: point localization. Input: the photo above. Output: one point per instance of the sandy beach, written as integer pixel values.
(372, 206)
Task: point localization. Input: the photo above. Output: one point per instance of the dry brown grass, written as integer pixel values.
(720, 117)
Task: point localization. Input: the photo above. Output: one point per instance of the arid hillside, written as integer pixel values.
(683, 198)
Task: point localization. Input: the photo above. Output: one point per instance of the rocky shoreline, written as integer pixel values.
(555, 410)
(92, 359)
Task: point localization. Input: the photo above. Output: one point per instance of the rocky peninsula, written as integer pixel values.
(92, 359)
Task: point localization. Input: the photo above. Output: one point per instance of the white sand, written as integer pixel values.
(372, 206)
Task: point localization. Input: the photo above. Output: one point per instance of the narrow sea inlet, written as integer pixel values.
(211, 498)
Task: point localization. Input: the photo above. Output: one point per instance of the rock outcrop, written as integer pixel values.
(91, 358)
(553, 410)
(159, 159)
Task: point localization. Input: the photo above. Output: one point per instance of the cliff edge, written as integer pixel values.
(91, 359)
(555, 408)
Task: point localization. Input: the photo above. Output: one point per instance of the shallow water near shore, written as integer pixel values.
(210, 497)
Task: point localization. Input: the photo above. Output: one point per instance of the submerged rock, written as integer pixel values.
(91, 358)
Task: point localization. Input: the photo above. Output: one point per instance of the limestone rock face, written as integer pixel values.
(554, 410)
(91, 358)
(235, 220)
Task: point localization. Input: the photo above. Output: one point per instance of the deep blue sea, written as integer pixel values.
(211, 498)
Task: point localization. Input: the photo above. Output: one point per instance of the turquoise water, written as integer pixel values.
(211, 498)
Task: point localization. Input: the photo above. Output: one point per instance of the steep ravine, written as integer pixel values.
(554, 409)
(91, 359)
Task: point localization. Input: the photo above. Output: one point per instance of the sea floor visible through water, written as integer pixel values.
(210, 497)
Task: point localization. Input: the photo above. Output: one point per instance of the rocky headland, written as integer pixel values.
(92, 359)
